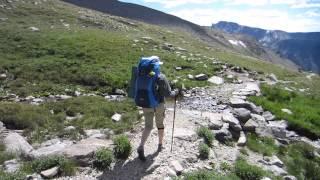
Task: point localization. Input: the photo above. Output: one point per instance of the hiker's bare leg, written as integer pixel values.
(145, 135)
(160, 134)
(148, 115)
(160, 115)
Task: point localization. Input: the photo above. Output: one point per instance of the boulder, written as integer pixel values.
(242, 114)
(50, 173)
(84, 150)
(250, 126)
(95, 133)
(11, 166)
(215, 120)
(268, 116)
(55, 148)
(216, 80)
(232, 121)
(17, 144)
(177, 167)
(278, 124)
(116, 117)
(185, 134)
(201, 77)
(255, 109)
(223, 134)
(238, 103)
(34, 176)
(274, 160)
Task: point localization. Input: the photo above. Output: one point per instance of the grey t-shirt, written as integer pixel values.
(163, 88)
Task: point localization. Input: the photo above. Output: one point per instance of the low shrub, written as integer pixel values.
(209, 175)
(225, 166)
(103, 159)
(248, 172)
(204, 151)
(122, 147)
(67, 167)
(206, 134)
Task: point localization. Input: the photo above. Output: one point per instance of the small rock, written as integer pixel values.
(70, 128)
(274, 160)
(171, 172)
(250, 125)
(3, 76)
(288, 111)
(178, 68)
(190, 76)
(233, 122)
(268, 116)
(216, 80)
(177, 167)
(116, 117)
(266, 178)
(277, 170)
(34, 29)
(289, 178)
(34, 176)
(11, 166)
(201, 77)
(273, 77)
(50, 173)
(223, 134)
(242, 139)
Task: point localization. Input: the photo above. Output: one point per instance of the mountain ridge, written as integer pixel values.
(300, 47)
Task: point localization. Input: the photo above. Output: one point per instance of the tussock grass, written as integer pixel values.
(262, 145)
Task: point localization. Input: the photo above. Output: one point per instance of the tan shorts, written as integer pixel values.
(158, 113)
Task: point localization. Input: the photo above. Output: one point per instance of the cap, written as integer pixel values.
(157, 59)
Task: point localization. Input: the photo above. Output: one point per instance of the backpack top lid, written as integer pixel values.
(149, 66)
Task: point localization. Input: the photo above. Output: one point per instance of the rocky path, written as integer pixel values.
(223, 108)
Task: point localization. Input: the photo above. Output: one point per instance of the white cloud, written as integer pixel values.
(263, 18)
(175, 3)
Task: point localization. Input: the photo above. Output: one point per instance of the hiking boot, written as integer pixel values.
(141, 154)
(160, 147)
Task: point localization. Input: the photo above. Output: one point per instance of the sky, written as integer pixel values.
(286, 15)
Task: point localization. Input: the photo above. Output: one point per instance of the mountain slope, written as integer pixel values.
(300, 48)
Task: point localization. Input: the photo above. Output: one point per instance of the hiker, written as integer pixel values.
(151, 89)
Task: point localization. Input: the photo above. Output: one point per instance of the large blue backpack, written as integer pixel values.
(147, 74)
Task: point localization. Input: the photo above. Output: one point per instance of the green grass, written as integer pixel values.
(248, 172)
(12, 176)
(262, 145)
(300, 160)
(305, 108)
(4, 156)
(206, 134)
(37, 121)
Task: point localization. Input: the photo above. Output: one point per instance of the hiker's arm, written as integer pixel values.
(164, 87)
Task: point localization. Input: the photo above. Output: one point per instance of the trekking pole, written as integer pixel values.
(174, 117)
